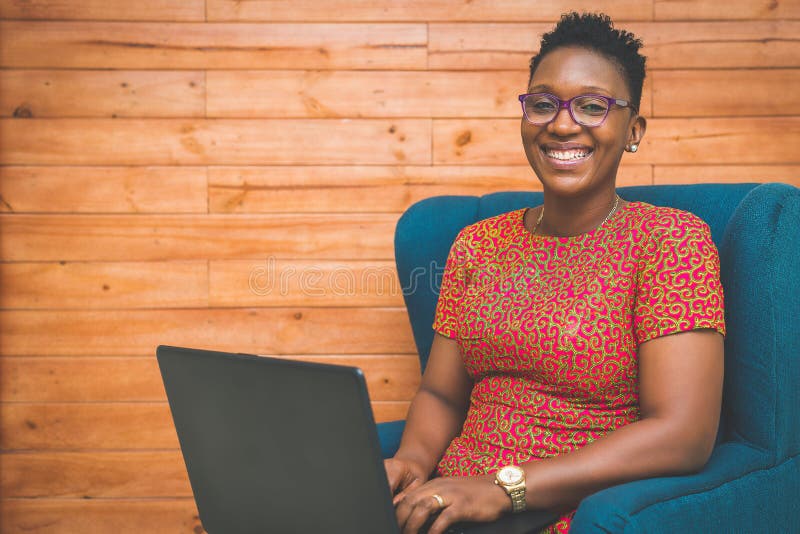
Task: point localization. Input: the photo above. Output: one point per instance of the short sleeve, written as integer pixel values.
(679, 286)
(452, 290)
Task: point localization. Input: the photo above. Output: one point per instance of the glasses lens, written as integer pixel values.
(589, 110)
(540, 109)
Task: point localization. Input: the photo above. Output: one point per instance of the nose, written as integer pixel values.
(562, 124)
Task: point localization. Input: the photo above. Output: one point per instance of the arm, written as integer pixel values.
(680, 396)
(680, 389)
(435, 417)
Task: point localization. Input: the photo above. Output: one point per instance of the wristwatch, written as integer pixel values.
(512, 479)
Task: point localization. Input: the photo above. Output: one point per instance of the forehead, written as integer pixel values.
(569, 71)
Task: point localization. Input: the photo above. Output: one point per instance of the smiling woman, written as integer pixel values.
(579, 344)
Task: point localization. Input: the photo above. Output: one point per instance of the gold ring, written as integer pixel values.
(438, 498)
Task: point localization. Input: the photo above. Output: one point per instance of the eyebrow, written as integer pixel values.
(584, 89)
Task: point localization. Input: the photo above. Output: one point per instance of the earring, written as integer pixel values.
(633, 148)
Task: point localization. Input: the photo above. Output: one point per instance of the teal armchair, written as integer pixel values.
(752, 481)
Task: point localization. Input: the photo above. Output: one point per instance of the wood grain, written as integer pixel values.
(91, 475)
(251, 330)
(748, 141)
(314, 283)
(483, 46)
(79, 516)
(166, 10)
(57, 189)
(689, 174)
(391, 377)
(71, 426)
(716, 45)
(279, 189)
(166, 45)
(195, 237)
(331, 94)
(214, 142)
(697, 140)
(734, 10)
(418, 10)
(86, 93)
(43, 285)
(667, 45)
(726, 93)
(108, 426)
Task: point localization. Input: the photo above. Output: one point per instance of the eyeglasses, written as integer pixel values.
(586, 110)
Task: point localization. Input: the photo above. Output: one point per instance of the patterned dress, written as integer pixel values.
(549, 327)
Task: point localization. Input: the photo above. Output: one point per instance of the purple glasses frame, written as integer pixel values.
(567, 104)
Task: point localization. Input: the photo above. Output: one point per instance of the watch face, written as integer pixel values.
(510, 474)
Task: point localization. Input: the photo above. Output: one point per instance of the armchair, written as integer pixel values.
(752, 481)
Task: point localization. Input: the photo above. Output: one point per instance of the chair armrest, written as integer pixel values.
(389, 436)
(692, 503)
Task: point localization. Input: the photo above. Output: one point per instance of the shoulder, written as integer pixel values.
(671, 237)
(491, 240)
(661, 223)
(490, 230)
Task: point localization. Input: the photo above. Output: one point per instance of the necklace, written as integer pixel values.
(610, 213)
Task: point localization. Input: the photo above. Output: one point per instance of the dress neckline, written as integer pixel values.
(578, 237)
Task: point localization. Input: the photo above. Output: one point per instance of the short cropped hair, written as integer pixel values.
(596, 32)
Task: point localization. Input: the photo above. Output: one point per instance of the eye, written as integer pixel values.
(540, 105)
(591, 106)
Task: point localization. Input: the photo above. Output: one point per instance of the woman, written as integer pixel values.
(578, 344)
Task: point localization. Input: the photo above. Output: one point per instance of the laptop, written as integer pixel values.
(281, 446)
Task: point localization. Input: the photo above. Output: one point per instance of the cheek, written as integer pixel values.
(528, 133)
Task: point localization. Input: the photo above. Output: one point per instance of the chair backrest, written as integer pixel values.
(755, 228)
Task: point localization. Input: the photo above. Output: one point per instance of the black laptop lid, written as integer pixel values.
(275, 445)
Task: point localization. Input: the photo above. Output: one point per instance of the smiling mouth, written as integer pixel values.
(572, 155)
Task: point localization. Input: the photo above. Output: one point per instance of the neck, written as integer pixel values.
(564, 217)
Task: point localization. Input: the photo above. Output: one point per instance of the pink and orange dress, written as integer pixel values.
(549, 327)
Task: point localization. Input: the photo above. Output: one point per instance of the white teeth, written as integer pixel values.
(567, 155)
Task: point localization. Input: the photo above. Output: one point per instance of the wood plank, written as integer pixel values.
(418, 10)
(38, 285)
(749, 141)
(79, 516)
(251, 330)
(734, 10)
(91, 475)
(726, 93)
(108, 426)
(103, 189)
(718, 45)
(71, 426)
(313, 283)
(391, 377)
(668, 141)
(84, 93)
(668, 45)
(214, 141)
(328, 94)
(691, 174)
(195, 237)
(166, 10)
(343, 188)
(161, 45)
(483, 46)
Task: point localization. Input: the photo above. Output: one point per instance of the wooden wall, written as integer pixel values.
(158, 159)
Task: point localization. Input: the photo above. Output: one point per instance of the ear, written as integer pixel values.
(637, 130)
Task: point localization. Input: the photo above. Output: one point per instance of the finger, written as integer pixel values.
(408, 489)
(420, 513)
(446, 518)
(392, 474)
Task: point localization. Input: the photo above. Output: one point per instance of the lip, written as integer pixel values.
(561, 164)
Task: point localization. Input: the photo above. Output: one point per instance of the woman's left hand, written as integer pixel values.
(476, 499)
